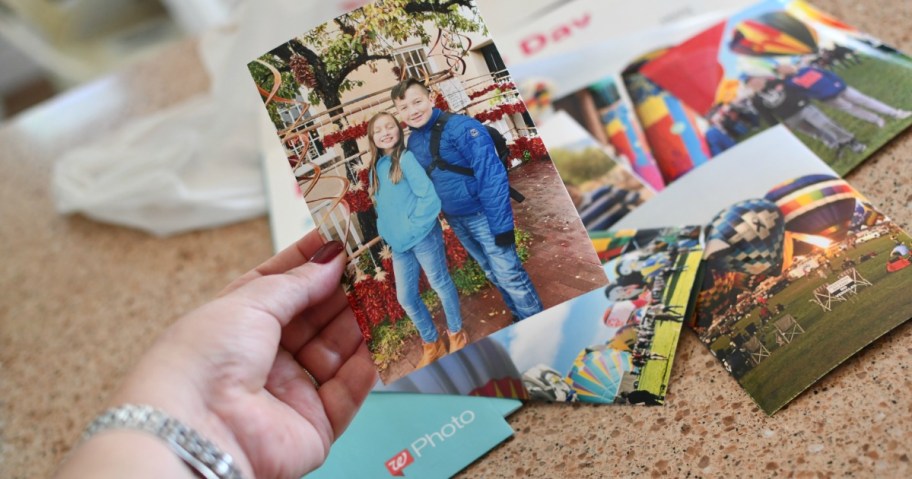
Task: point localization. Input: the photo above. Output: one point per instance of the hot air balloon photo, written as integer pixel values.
(597, 374)
(602, 189)
(802, 65)
(797, 281)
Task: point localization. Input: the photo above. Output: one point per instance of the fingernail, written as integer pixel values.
(327, 252)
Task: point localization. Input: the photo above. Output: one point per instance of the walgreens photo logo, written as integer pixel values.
(423, 444)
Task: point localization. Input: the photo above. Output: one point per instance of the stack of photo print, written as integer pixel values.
(542, 237)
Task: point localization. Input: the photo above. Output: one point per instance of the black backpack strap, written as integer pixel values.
(438, 162)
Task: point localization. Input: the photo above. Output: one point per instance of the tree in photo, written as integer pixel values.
(322, 59)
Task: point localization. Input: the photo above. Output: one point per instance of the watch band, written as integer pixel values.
(199, 453)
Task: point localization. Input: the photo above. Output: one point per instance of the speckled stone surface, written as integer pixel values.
(80, 301)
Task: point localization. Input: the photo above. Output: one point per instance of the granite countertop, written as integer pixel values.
(80, 301)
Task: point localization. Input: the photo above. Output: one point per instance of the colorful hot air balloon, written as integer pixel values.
(611, 245)
(671, 128)
(820, 205)
(691, 69)
(597, 373)
(803, 11)
(773, 33)
(747, 237)
(627, 137)
(625, 338)
(865, 215)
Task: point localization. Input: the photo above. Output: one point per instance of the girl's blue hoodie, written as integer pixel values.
(406, 211)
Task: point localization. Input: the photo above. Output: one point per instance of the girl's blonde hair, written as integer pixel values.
(395, 174)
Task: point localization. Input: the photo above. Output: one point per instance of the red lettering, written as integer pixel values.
(561, 33)
(533, 44)
(582, 22)
(537, 42)
(399, 462)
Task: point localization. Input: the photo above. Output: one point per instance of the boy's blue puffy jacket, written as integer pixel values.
(819, 84)
(466, 142)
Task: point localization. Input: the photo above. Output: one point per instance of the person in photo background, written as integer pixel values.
(777, 100)
(477, 205)
(828, 87)
(407, 209)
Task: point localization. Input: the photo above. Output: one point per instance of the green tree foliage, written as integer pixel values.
(265, 79)
(365, 37)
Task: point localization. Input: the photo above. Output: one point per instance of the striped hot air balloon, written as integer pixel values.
(747, 237)
(820, 205)
(596, 374)
(627, 137)
(773, 33)
(610, 245)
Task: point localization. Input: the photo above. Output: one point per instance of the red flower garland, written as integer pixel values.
(360, 317)
(528, 148)
(387, 292)
(456, 255)
(350, 133)
(441, 103)
(358, 199)
(498, 112)
(367, 291)
(494, 86)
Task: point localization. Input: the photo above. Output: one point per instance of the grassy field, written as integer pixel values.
(830, 337)
(888, 82)
(655, 373)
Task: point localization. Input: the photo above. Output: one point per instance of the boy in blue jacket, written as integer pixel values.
(476, 205)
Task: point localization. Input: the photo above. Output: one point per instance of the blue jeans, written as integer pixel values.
(430, 255)
(500, 264)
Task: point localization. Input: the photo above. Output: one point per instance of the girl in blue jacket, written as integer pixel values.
(407, 208)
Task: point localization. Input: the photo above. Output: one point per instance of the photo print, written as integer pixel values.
(800, 271)
(614, 345)
(412, 146)
(842, 92)
(806, 275)
(670, 98)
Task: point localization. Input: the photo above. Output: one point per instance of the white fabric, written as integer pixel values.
(197, 164)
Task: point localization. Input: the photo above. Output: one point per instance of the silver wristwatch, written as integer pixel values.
(199, 453)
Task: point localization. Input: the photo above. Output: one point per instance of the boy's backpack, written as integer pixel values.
(500, 144)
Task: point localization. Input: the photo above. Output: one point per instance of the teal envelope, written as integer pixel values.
(417, 435)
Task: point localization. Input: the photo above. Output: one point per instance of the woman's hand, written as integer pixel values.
(234, 369)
